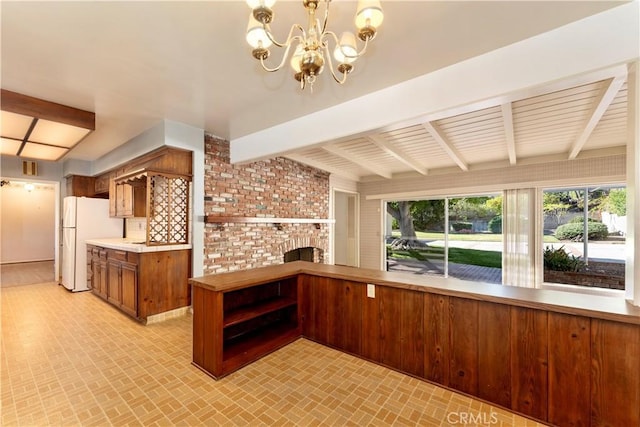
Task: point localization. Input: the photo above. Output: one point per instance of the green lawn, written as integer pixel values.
(456, 255)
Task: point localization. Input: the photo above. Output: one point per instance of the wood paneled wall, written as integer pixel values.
(559, 368)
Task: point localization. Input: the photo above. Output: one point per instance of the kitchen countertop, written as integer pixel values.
(134, 245)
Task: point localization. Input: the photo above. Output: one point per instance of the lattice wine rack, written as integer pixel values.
(168, 209)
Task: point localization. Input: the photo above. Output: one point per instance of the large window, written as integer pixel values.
(453, 237)
(584, 231)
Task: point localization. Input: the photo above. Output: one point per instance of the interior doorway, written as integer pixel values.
(345, 243)
(29, 241)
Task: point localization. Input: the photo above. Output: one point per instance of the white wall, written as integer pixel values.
(11, 167)
(27, 222)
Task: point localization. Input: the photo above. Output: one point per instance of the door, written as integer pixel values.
(346, 228)
(124, 200)
(102, 278)
(114, 290)
(129, 287)
(68, 257)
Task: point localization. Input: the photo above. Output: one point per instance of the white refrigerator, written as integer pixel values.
(83, 218)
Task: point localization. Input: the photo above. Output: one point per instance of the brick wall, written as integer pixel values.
(588, 279)
(278, 188)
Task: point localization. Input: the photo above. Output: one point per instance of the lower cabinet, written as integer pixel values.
(141, 284)
(123, 285)
(97, 270)
(129, 288)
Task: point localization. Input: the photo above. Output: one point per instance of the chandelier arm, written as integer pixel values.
(326, 17)
(290, 37)
(337, 42)
(330, 63)
(284, 58)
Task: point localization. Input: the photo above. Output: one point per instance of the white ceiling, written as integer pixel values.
(137, 63)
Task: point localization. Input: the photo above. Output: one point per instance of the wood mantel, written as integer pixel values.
(217, 219)
(557, 357)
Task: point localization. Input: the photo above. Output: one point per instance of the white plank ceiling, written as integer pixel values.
(566, 123)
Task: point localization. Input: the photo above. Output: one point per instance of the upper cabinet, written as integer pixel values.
(156, 186)
(128, 200)
(165, 198)
(101, 185)
(80, 186)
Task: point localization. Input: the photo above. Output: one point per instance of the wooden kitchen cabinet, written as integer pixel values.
(129, 289)
(101, 186)
(114, 282)
(97, 258)
(126, 200)
(122, 273)
(141, 284)
(113, 203)
(80, 186)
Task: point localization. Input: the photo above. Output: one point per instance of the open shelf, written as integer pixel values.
(249, 322)
(256, 310)
(258, 342)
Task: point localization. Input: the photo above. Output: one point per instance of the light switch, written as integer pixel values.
(371, 290)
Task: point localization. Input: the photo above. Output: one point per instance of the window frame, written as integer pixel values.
(539, 242)
(446, 198)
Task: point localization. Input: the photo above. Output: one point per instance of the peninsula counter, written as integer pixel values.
(555, 356)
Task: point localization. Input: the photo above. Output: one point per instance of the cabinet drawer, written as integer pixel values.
(119, 255)
(132, 257)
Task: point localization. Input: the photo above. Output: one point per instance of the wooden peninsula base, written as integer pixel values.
(560, 358)
(138, 281)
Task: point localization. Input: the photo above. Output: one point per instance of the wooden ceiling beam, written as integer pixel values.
(45, 110)
(396, 152)
(606, 96)
(507, 120)
(353, 159)
(322, 166)
(445, 144)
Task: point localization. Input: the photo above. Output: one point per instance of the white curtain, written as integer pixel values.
(518, 228)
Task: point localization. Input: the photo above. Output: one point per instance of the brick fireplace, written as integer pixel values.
(280, 189)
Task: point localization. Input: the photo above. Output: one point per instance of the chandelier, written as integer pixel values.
(311, 47)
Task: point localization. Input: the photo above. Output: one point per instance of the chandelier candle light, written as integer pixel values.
(312, 46)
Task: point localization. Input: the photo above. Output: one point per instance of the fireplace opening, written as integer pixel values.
(300, 254)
